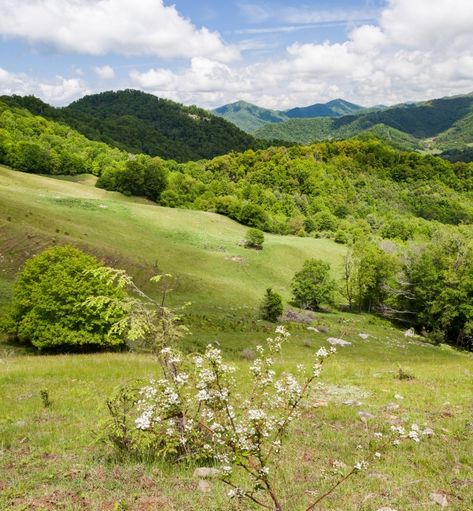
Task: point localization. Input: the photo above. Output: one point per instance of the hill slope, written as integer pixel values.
(334, 108)
(249, 117)
(449, 121)
(142, 123)
(200, 249)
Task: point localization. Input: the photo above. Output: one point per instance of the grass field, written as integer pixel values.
(200, 249)
(49, 457)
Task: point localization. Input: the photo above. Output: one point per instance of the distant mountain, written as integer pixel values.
(334, 108)
(247, 116)
(143, 123)
(250, 118)
(435, 125)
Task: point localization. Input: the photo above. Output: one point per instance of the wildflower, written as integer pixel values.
(322, 353)
(361, 465)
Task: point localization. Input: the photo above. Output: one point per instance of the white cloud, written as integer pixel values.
(57, 91)
(105, 72)
(97, 27)
(418, 50)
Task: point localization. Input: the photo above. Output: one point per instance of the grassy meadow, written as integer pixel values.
(49, 456)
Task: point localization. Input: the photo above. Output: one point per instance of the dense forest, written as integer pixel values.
(335, 188)
(137, 122)
(439, 124)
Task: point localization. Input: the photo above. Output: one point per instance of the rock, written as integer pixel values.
(363, 336)
(313, 329)
(204, 486)
(364, 416)
(439, 498)
(352, 402)
(386, 509)
(206, 473)
(398, 397)
(338, 342)
(410, 333)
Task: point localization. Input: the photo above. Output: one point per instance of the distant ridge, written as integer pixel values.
(250, 117)
(334, 108)
(436, 125)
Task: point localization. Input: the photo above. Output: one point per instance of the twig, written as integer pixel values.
(332, 489)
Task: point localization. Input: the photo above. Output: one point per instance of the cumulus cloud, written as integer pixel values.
(57, 91)
(417, 50)
(105, 72)
(97, 27)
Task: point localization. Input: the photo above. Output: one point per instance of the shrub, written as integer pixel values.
(272, 306)
(341, 237)
(254, 239)
(48, 308)
(313, 285)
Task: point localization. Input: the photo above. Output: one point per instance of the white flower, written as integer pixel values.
(361, 465)
(378, 434)
(256, 415)
(377, 455)
(322, 353)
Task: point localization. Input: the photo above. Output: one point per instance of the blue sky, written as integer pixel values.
(278, 54)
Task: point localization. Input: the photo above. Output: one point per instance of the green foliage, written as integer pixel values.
(369, 271)
(254, 239)
(137, 122)
(34, 144)
(449, 121)
(48, 307)
(141, 175)
(272, 306)
(437, 289)
(313, 286)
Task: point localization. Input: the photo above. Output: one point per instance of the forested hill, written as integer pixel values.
(250, 117)
(335, 187)
(142, 123)
(440, 124)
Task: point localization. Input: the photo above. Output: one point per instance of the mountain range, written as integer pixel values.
(249, 117)
(138, 122)
(436, 125)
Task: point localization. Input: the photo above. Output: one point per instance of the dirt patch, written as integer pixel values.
(236, 259)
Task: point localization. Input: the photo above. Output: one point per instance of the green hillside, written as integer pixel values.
(334, 108)
(200, 249)
(142, 123)
(437, 124)
(249, 117)
(66, 464)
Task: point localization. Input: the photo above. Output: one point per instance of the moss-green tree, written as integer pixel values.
(367, 277)
(254, 239)
(48, 308)
(272, 306)
(313, 286)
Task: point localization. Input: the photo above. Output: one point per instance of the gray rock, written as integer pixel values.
(338, 342)
(206, 473)
(204, 486)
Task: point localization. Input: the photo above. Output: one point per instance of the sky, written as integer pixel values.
(277, 54)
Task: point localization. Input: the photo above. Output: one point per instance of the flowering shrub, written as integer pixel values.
(194, 411)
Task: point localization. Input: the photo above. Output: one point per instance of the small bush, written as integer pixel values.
(48, 308)
(272, 306)
(254, 239)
